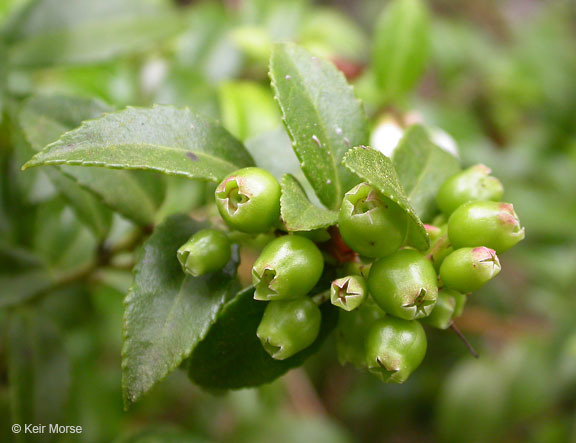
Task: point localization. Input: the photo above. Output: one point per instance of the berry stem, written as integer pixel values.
(320, 298)
(464, 340)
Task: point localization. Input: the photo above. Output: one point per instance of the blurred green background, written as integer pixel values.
(499, 77)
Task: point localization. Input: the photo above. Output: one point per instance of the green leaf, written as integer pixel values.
(422, 168)
(322, 115)
(55, 32)
(38, 370)
(232, 357)
(401, 45)
(167, 312)
(298, 213)
(19, 287)
(88, 207)
(162, 139)
(378, 171)
(60, 238)
(247, 109)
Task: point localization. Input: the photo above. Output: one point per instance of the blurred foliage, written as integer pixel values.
(498, 78)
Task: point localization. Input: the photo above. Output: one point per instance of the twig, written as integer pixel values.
(464, 340)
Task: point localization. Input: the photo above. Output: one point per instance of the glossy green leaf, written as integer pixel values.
(38, 370)
(162, 138)
(377, 169)
(322, 115)
(298, 213)
(232, 357)
(167, 312)
(52, 32)
(44, 119)
(422, 168)
(400, 48)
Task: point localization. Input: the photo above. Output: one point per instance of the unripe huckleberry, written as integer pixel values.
(352, 331)
(404, 284)
(288, 267)
(249, 200)
(485, 223)
(206, 251)
(395, 348)
(348, 292)
(289, 326)
(468, 269)
(371, 224)
(474, 183)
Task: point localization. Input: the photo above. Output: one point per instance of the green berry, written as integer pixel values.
(460, 299)
(404, 284)
(371, 224)
(474, 183)
(288, 267)
(249, 200)
(485, 223)
(352, 332)
(348, 292)
(468, 269)
(289, 326)
(445, 309)
(206, 251)
(395, 348)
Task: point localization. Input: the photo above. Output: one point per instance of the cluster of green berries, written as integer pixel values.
(387, 290)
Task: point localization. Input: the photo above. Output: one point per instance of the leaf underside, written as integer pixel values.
(298, 213)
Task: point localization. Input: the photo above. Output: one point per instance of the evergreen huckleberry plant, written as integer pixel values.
(355, 260)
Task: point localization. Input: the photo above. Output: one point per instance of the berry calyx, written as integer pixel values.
(288, 267)
(348, 292)
(249, 200)
(371, 224)
(289, 326)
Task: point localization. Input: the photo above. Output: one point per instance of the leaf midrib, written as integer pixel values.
(150, 146)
